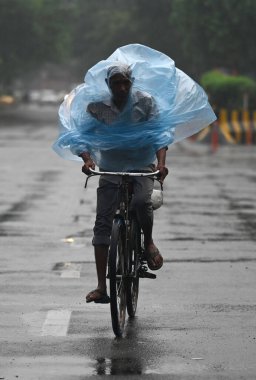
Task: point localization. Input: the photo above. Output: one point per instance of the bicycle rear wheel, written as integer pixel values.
(117, 267)
(132, 289)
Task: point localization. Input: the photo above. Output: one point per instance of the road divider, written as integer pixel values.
(231, 127)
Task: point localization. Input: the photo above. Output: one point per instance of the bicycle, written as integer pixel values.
(126, 262)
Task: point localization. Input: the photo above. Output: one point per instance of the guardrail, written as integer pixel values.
(232, 127)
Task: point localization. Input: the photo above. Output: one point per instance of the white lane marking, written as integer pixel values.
(56, 323)
(70, 274)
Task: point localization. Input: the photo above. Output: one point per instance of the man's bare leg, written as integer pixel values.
(101, 259)
(143, 188)
(150, 246)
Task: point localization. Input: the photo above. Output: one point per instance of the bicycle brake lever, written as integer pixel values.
(87, 179)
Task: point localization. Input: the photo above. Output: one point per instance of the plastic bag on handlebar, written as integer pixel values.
(157, 198)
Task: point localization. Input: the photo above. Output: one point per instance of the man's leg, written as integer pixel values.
(101, 260)
(107, 197)
(142, 203)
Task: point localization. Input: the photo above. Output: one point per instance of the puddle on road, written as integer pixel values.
(68, 266)
(78, 367)
(69, 240)
(76, 242)
(134, 366)
(78, 239)
(118, 366)
(100, 354)
(135, 354)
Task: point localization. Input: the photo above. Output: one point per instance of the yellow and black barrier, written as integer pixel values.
(233, 127)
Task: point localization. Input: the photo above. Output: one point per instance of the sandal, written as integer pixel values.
(97, 296)
(150, 256)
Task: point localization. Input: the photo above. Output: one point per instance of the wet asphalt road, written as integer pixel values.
(195, 321)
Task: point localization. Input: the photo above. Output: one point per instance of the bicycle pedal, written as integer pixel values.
(147, 275)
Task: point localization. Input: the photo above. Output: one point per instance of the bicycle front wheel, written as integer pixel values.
(116, 264)
(132, 291)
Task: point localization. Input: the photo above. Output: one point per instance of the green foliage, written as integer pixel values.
(228, 91)
(200, 35)
(31, 32)
(102, 26)
(216, 34)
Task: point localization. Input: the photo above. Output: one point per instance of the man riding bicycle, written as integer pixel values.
(122, 118)
(142, 108)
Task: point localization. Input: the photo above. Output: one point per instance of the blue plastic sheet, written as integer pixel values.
(182, 110)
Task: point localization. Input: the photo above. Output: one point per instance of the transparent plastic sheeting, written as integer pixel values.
(182, 105)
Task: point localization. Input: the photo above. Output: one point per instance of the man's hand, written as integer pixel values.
(88, 163)
(163, 172)
(87, 166)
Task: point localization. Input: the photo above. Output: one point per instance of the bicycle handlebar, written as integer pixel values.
(123, 174)
(130, 174)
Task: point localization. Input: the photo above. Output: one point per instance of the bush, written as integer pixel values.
(228, 91)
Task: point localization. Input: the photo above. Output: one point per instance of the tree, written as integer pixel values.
(102, 26)
(229, 91)
(31, 33)
(217, 33)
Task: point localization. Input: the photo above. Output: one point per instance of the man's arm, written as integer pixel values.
(161, 156)
(161, 153)
(88, 162)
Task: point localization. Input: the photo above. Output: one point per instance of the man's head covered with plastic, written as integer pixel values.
(119, 80)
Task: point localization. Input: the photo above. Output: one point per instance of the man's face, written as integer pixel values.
(120, 87)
